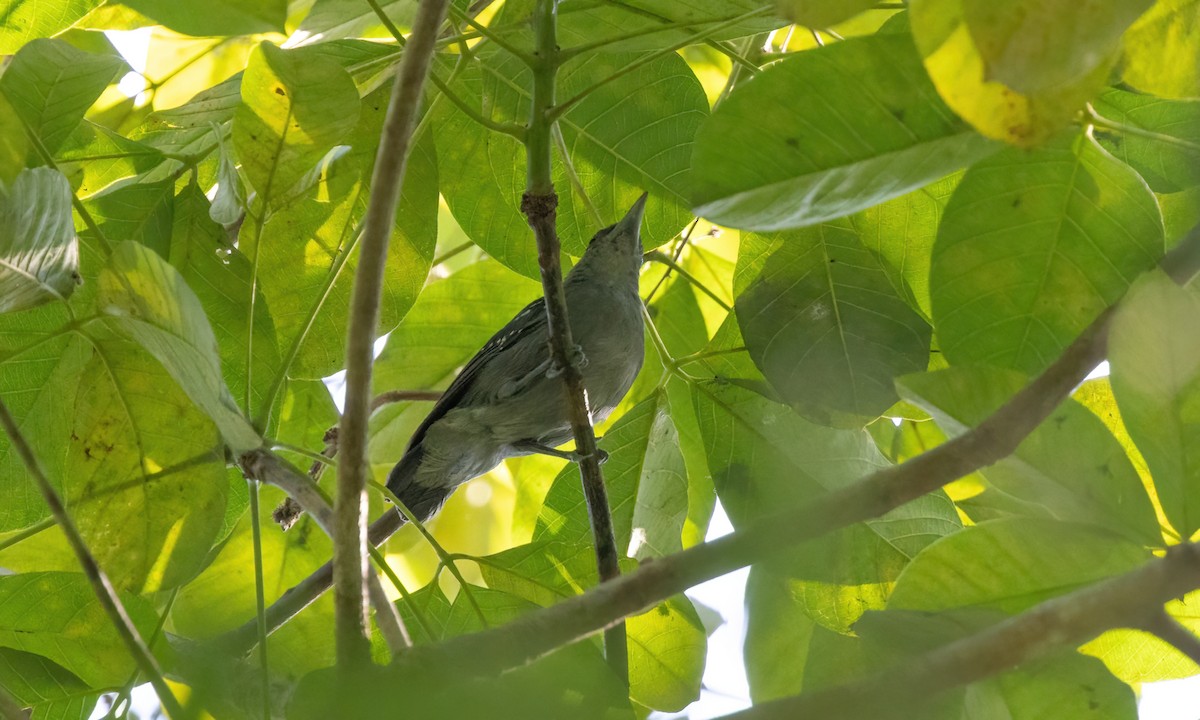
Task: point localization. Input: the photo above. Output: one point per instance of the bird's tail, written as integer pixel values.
(423, 500)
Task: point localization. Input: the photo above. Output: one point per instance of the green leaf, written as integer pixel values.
(613, 162)
(1155, 356)
(51, 84)
(223, 597)
(292, 113)
(220, 276)
(1033, 246)
(823, 324)
(1035, 45)
(945, 32)
(14, 143)
(218, 17)
(140, 212)
(39, 252)
(1004, 565)
(94, 157)
(819, 155)
(144, 472)
(627, 26)
(647, 487)
(667, 646)
(1162, 55)
(309, 250)
(43, 685)
(25, 20)
(821, 14)
(56, 615)
(149, 302)
(901, 232)
(786, 653)
(332, 19)
(1070, 467)
(1169, 157)
(228, 206)
(764, 459)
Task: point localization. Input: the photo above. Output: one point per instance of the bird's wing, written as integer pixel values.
(531, 319)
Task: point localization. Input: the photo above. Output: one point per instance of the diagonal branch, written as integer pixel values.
(539, 206)
(350, 531)
(538, 633)
(99, 581)
(1066, 621)
(1171, 631)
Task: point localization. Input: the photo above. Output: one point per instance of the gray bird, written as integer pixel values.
(508, 400)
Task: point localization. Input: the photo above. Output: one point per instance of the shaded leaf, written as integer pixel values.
(1003, 565)
(613, 161)
(1037, 45)
(945, 35)
(823, 324)
(217, 17)
(56, 615)
(1070, 467)
(39, 252)
(51, 84)
(1162, 54)
(292, 113)
(819, 155)
(1155, 355)
(1169, 159)
(1032, 247)
(149, 301)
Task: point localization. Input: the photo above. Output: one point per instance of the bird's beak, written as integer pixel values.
(632, 222)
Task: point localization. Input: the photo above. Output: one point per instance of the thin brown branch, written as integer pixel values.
(350, 528)
(533, 635)
(395, 396)
(265, 467)
(1064, 622)
(539, 205)
(105, 593)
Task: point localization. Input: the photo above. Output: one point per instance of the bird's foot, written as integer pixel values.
(578, 359)
(572, 455)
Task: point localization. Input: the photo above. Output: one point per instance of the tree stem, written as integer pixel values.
(539, 205)
(350, 530)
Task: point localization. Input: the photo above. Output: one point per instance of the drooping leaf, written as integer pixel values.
(1167, 164)
(39, 252)
(613, 162)
(945, 32)
(51, 84)
(148, 301)
(1032, 247)
(1070, 467)
(56, 615)
(819, 155)
(1154, 350)
(1037, 45)
(824, 325)
(220, 17)
(292, 113)
(1162, 55)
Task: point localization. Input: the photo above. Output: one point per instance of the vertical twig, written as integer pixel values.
(539, 205)
(350, 530)
(103, 588)
(260, 604)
